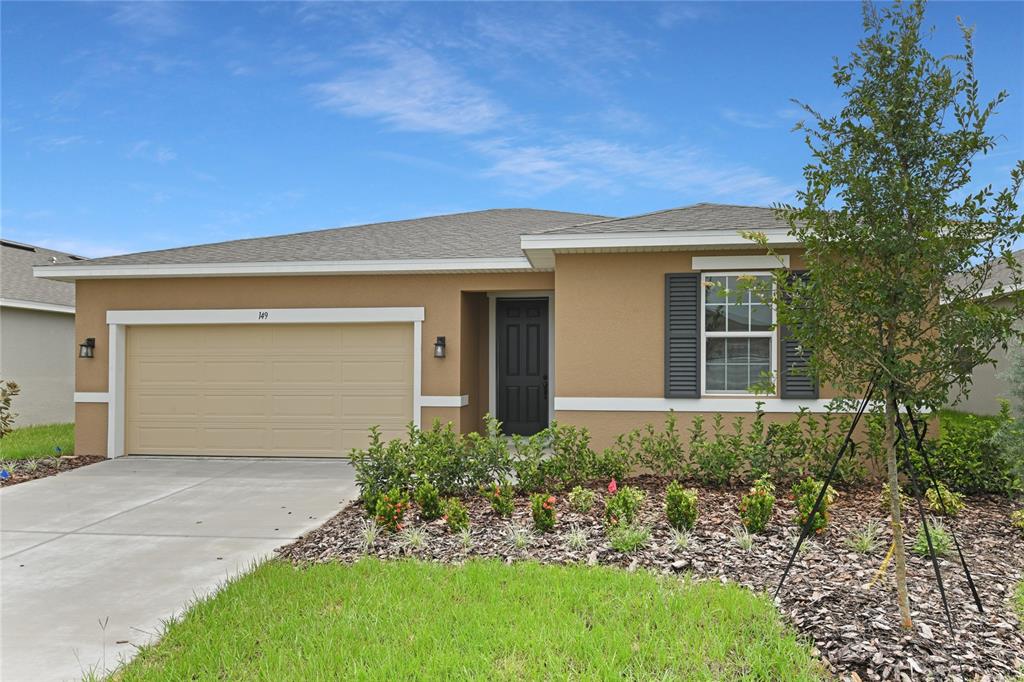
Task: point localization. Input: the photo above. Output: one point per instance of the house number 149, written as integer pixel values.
(262, 315)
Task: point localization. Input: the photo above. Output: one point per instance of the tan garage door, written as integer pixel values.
(280, 390)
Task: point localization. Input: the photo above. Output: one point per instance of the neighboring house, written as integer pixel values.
(37, 334)
(989, 385)
(294, 345)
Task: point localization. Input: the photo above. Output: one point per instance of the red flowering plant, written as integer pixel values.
(502, 497)
(391, 508)
(612, 487)
(543, 508)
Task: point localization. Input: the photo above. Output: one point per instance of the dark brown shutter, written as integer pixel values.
(682, 335)
(795, 381)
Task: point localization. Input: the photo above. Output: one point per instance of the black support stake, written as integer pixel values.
(806, 530)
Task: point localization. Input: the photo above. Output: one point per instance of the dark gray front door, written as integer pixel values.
(522, 349)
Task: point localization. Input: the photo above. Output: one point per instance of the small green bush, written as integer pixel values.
(615, 462)
(757, 505)
(662, 451)
(941, 539)
(428, 499)
(885, 499)
(715, 459)
(571, 461)
(805, 493)
(542, 507)
(680, 506)
(455, 515)
(628, 538)
(622, 505)
(502, 497)
(943, 501)
(968, 456)
(582, 499)
(391, 508)
(528, 463)
(1017, 519)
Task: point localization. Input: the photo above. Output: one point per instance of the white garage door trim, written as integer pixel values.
(117, 320)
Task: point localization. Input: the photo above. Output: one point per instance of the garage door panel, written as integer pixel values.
(286, 372)
(265, 389)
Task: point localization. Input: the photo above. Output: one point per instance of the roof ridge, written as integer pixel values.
(650, 213)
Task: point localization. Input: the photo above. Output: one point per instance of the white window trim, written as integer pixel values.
(118, 320)
(492, 346)
(739, 262)
(704, 335)
(708, 405)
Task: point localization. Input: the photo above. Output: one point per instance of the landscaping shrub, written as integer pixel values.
(885, 498)
(941, 539)
(1017, 519)
(502, 497)
(756, 506)
(8, 391)
(455, 515)
(628, 538)
(622, 504)
(582, 499)
(943, 497)
(391, 508)
(380, 467)
(542, 507)
(614, 462)
(528, 463)
(439, 455)
(715, 459)
(805, 493)
(867, 540)
(487, 455)
(967, 456)
(428, 499)
(571, 461)
(680, 506)
(1009, 436)
(824, 435)
(661, 451)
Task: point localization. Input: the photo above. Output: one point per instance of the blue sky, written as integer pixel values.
(151, 125)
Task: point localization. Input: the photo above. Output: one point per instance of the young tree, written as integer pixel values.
(899, 244)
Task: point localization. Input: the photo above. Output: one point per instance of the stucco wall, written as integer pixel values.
(37, 350)
(440, 295)
(989, 383)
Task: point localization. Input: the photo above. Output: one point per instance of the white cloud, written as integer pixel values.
(412, 91)
(146, 149)
(747, 120)
(55, 142)
(148, 19)
(615, 167)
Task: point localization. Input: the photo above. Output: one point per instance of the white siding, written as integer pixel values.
(37, 350)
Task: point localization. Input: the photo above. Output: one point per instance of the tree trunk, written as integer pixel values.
(891, 413)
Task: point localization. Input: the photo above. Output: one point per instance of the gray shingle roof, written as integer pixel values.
(1001, 273)
(698, 217)
(479, 234)
(17, 282)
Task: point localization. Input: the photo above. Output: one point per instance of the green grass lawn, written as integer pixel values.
(483, 620)
(32, 442)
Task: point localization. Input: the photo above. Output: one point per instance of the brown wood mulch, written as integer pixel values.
(855, 629)
(22, 470)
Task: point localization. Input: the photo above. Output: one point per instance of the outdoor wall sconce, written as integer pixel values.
(86, 348)
(439, 347)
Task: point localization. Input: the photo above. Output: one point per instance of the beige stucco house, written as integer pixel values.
(989, 386)
(37, 332)
(294, 345)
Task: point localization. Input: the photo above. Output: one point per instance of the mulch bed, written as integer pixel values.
(22, 470)
(854, 629)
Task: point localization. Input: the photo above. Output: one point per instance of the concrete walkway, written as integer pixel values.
(93, 560)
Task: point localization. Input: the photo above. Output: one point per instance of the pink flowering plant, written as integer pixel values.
(502, 497)
(622, 504)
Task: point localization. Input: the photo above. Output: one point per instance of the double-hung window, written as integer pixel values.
(738, 331)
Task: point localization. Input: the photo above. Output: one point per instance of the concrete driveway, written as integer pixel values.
(93, 560)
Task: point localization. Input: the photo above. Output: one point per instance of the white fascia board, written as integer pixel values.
(700, 263)
(33, 305)
(620, 240)
(351, 267)
(708, 405)
(444, 400)
(266, 316)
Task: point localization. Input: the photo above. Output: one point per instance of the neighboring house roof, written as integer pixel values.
(1001, 274)
(696, 218)
(497, 240)
(18, 287)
